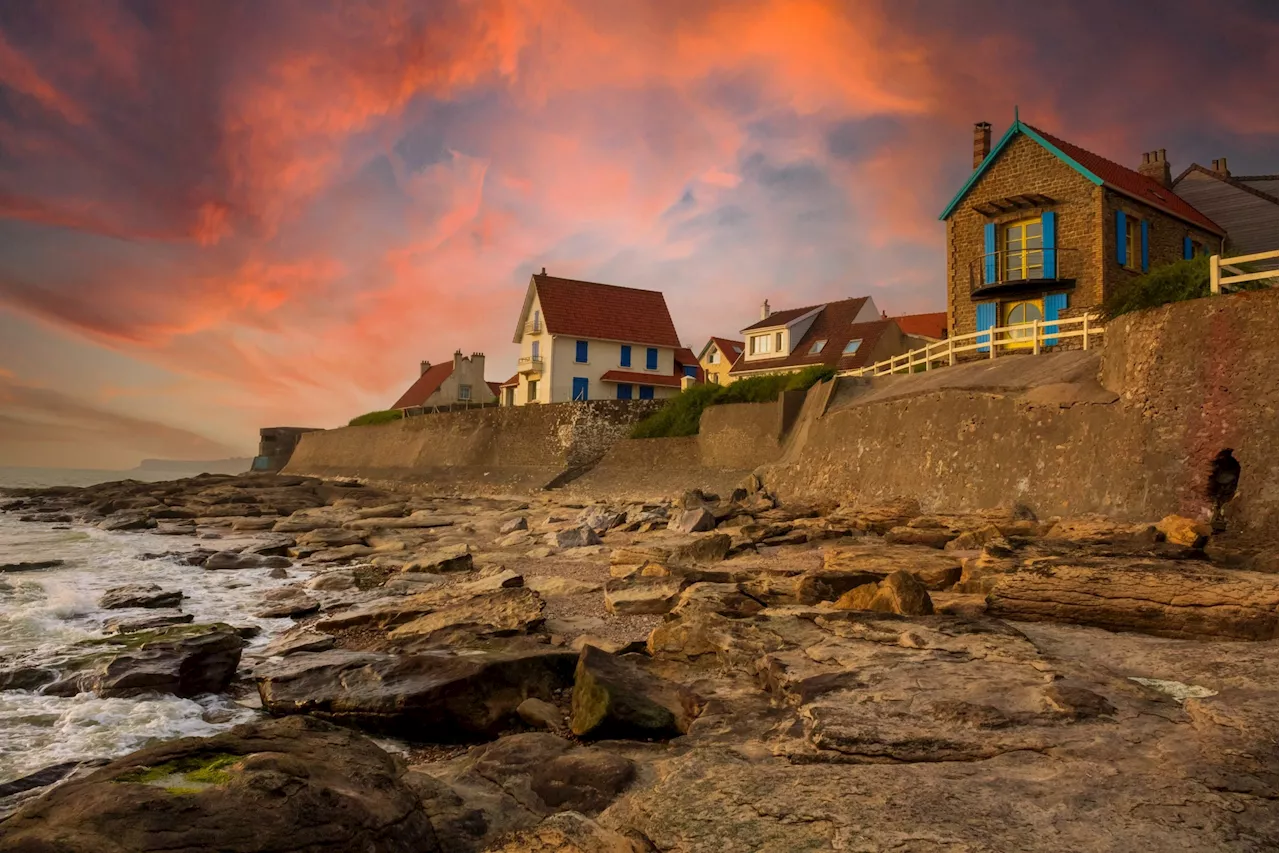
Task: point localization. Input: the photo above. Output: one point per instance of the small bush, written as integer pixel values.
(681, 414)
(1173, 282)
(373, 418)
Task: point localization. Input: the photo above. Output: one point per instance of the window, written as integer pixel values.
(580, 354)
(624, 359)
(1023, 250)
(852, 347)
(762, 344)
(537, 321)
(1015, 313)
(537, 350)
(1197, 249)
(651, 359)
(737, 351)
(646, 392)
(715, 377)
(779, 348)
(579, 388)
(817, 347)
(511, 396)
(691, 371)
(464, 392)
(713, 357)
(624, 391)
(1133, 243)
(533, 391)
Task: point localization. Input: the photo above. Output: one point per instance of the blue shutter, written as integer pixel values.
(1145, 261)
(625, 359)
(624, 391)
(989, 253)
(1122, 238)
(581, 355)
(1188, 251)
(651, 360)
(1048, 231)
(986, 319)
(1053, 304)
(579, 388)
(646, 392)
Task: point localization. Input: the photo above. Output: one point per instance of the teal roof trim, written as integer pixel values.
(1014, 129)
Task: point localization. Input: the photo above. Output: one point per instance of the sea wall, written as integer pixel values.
(483, 451)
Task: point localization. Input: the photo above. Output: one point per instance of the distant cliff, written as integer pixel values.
(196, 466)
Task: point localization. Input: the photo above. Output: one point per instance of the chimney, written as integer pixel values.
(764, 310)
(981, 142)
(544, 270)
(1156, 166)
(1220, 166)
(457, 359)
(426, 365)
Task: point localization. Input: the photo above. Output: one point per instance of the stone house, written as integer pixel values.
(846, 334)
(717, 357)
(1244, 205)
(1045, 229)
(460, 381)
(580, 340)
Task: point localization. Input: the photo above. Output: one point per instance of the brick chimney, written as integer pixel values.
(1220, 166)
(981, 142)
(1155, 166)
(764, 310)
(426, 365)
(457, 359)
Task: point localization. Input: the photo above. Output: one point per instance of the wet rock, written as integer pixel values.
(236, 560)
(32, 566)
(432, 697)
(331, 537)
(127, 521)
(614, 697)
(277, 573)
(514, 525)
(287, 603)
(185, 660)
(253, 524)
(574, 537)
(139, 595)
(898, 593)
(693, 521)
(540, 714)
(639, 594)
(308, 786)
(331, 581)
(342, 554)
(300, 639)
(176, 528)
(127, 625)
(454, 558)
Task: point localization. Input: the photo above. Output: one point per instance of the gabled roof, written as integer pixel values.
(924, 325)
(1096, 169)
(495, 388)
(727, 346)
(1242, 182)
(834, 324)
(785, 318)
(425, 385)
(587, 309)
(512, 382)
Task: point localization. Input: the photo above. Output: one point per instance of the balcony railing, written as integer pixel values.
(533, 327)
(529, 364)
(1011, 270)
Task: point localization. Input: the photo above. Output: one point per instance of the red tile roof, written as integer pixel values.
(1126, 180)
(686, 358)
(605, 312)
(671, 381)
(834, 324)
(781, 318)
(514, 380)
(925, 325)
(495, 388)
(728, 347)
(425, 385)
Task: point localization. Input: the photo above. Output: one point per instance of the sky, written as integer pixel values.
(218, 216)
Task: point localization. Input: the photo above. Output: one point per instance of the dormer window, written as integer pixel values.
(762, 344)
(817, 347)
(852, 347)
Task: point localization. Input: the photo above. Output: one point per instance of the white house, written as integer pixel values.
(580, 340)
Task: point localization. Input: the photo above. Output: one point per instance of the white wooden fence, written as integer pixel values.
(1031, 337)
(1219, 282)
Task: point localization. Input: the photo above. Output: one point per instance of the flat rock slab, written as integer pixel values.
(139, 595)
(500, 612)
(428, 697)
(1168, 599)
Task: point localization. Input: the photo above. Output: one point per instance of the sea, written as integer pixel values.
(43, 614)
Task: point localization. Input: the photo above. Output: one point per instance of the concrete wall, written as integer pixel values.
(485, 451)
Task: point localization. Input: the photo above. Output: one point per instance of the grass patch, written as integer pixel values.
(375, 418)
(203, 770)
(1173, 282)
(681, 414)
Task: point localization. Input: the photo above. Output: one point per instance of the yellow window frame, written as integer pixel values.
(1009, 254)
(1133, 243)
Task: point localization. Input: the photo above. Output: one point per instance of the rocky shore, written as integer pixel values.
(712, 673)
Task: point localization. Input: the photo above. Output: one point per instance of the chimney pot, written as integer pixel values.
(981, 142)
(426, 365)
(544, 270)
(1220, 166)
(764, 310)
(1155, 166)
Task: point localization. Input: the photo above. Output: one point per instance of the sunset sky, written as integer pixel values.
(217, 216)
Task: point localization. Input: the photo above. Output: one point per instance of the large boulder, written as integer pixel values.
(574, 537)
(642, 594)
(615, 697)
(429, 697)
(139, 595)
(279, 786)
(693, 521)
(898, 593)
(496, 613)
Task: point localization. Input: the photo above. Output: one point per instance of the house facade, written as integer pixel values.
(717, 358)
(845, 335)
(1045, 229)
(1244, 205)
(582, 340)
(460, 381)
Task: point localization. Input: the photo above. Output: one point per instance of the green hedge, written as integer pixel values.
(680, 414)
(372, 418)
(1173, 282)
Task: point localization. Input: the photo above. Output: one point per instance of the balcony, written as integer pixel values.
(529, 365)
(533, 327)
(1023, 271)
